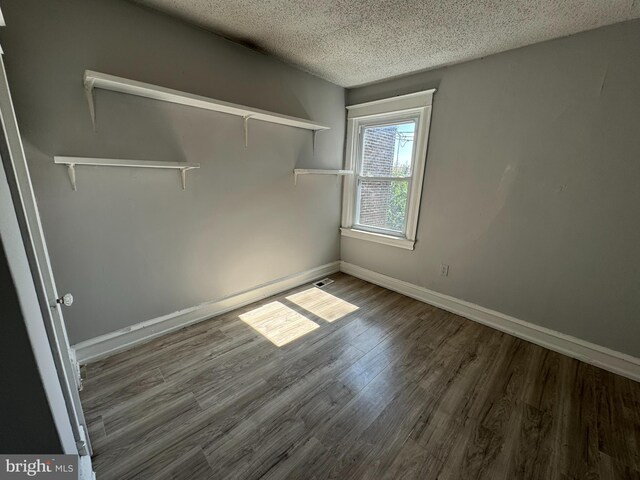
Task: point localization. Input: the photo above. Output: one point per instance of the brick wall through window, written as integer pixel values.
(378, 156)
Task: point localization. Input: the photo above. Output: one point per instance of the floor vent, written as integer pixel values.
(323, 283)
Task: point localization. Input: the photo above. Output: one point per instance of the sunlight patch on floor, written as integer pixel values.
(278, 323)
(323, 304)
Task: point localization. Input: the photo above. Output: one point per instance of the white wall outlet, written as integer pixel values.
(444, 270)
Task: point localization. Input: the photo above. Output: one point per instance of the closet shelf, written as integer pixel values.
(71, 163)
(310, 171)
(132, 87)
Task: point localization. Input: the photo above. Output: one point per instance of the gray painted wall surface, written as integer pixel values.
(130, 244)
(532, 188)
(26, 424)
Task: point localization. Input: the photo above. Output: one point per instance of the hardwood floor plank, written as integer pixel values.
(339, 434)
(227, 353)
(468, 369)
(115, 362)
(144, 432)
(618, 420)
(96, 402)
(157, 357)
(414, 463)
(544, 388)
(281, 427)
(377, 447)
(504, 390)
(191, 466)
(215, 427)
(442, 435)
(97, 433)
(521, 452)
(209, 372)
(579, 423)
(294, 464)
(612, 469)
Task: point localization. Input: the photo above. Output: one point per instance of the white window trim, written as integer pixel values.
(419, 104)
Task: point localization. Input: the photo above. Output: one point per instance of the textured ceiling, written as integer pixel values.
(356, 42)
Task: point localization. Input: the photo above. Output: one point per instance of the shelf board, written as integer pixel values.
(72, 162)
(315, 171)
(113, 162)
(132, 87)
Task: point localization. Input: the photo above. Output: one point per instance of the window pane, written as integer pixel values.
(387, 150)
(383, 203)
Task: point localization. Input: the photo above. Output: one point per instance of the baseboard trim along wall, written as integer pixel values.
(111, 343)
(602, 357)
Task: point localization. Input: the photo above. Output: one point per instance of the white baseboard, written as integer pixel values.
(120, 340)
(602, 357)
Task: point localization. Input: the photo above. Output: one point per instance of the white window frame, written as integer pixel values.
(416, 107)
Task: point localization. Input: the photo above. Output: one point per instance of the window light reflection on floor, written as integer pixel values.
(322, 304)
(278, 323)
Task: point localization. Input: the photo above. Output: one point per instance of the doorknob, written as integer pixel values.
(66, 300)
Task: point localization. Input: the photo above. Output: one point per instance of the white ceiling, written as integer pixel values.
(356, 42)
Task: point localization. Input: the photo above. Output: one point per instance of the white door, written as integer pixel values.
(29, 217)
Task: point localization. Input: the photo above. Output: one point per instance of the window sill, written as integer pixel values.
(378, 238)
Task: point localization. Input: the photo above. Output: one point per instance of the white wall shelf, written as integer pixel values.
(310, 171)
(72, 162)
(132, 87)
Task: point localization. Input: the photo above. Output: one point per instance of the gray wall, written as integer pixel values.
(130, 244)
(532, 187)
(26, 424)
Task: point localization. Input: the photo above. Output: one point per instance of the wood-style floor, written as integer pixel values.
(366, 384)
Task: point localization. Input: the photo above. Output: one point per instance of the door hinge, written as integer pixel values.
(82, 447)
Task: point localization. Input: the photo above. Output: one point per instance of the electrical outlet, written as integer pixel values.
(444, 270)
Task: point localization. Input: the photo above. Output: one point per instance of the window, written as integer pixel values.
(386, 149)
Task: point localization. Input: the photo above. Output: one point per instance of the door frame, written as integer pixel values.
(25, 286)
(23, 238)
(19, 180)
